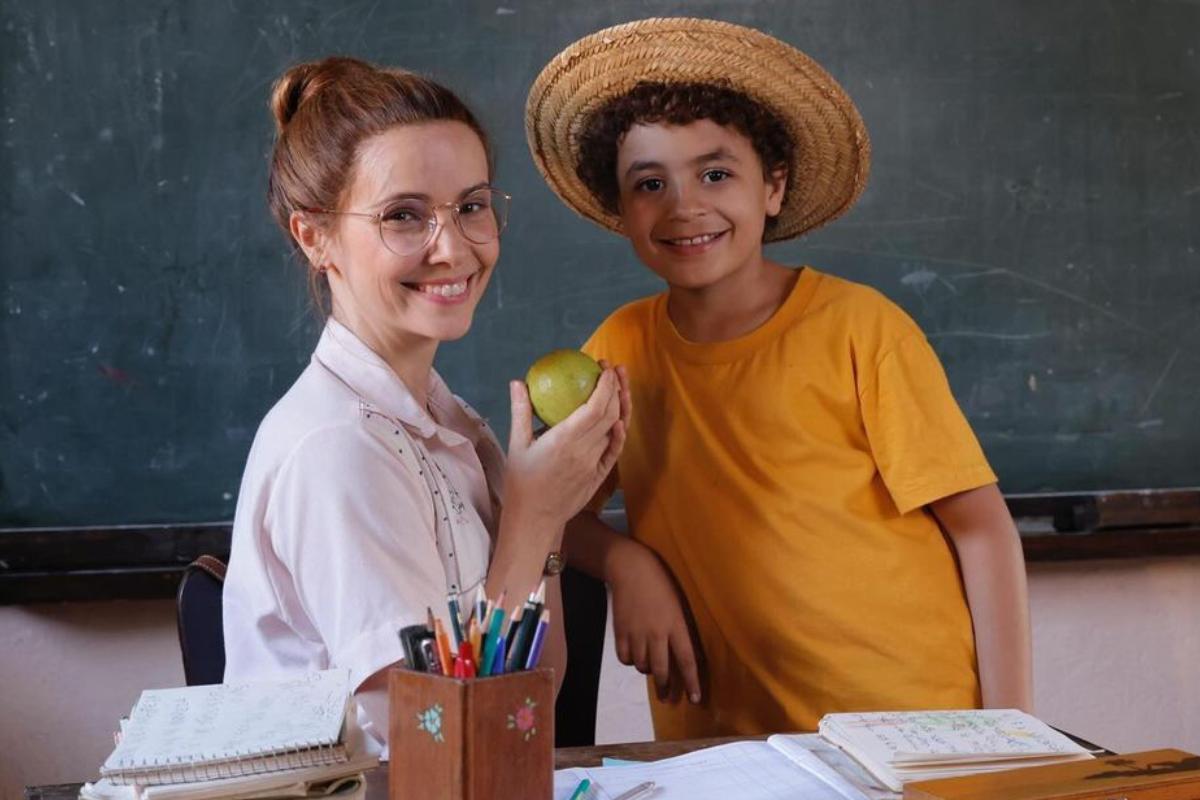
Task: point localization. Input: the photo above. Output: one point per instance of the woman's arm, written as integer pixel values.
(546, 481)
(993, 572)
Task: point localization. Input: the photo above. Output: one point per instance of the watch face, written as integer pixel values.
(555, 563)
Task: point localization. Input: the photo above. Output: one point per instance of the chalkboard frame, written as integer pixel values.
(144, 562)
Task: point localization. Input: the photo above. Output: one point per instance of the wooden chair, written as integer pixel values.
(585, 609)
(585, 613)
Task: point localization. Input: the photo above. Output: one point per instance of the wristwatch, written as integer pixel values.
(556, 562)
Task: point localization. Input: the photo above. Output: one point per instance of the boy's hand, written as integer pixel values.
(650, 625)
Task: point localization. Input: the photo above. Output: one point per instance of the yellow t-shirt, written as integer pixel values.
(782, 476)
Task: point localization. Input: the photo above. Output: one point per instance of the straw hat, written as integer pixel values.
(832, 153)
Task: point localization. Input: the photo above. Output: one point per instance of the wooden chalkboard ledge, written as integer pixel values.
(1120, 543)
(46, 565)
(127, 562)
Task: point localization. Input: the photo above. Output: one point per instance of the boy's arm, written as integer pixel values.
(993, 571)
(649, 623)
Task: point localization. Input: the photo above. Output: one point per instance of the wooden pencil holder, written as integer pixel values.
(475, 739)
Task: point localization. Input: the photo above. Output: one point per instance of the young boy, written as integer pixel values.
(803, 492)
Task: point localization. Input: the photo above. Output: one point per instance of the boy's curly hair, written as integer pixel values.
(674, 104)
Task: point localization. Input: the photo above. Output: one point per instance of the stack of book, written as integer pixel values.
(294, 737)
(899, 747)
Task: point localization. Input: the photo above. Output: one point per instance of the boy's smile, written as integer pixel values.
(694, 201)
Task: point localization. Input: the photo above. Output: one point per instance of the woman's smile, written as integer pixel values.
(444, 291)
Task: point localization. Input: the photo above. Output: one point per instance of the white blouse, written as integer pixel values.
(358, 510)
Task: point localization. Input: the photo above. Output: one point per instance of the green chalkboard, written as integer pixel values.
(1034, 203)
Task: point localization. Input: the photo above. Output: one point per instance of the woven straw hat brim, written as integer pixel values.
(832, 150)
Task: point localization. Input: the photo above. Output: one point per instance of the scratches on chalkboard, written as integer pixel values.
(981, 269)
(922, 279)
(1002, 337)
(902, 223)
(1158, 383)
(936, 190)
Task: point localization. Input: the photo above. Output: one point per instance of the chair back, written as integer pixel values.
(198, 610)
(585, 616)
(585, 613)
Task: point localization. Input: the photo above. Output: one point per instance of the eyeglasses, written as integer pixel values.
(409, 225)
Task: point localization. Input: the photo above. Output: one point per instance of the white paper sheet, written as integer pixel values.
(745, 770)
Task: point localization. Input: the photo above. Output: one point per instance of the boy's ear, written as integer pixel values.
(776, 186)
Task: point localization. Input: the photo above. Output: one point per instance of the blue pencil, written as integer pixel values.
(539, 639)
(498, 661)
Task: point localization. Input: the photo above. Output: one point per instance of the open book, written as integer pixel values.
(783, 766)
(296, 736)
(902, 746)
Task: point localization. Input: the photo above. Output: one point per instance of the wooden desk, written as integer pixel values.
(564, 757)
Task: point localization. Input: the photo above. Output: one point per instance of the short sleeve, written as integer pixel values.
(354, 528)
(923, 445)
(597, 346)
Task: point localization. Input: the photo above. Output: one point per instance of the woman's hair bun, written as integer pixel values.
(303, 81)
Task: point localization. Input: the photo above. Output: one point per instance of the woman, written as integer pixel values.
(371, 492)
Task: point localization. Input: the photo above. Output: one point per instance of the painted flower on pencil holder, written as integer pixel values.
(430, 721)
(523, 720)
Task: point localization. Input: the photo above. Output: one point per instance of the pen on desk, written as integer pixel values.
(637, 792)
(539, 638)
(581, 789)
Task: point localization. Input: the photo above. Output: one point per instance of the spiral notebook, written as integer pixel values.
(202, 733)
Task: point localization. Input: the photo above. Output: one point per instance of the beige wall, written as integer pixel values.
(1116, 646)
(1117, 650)
(67, 673)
